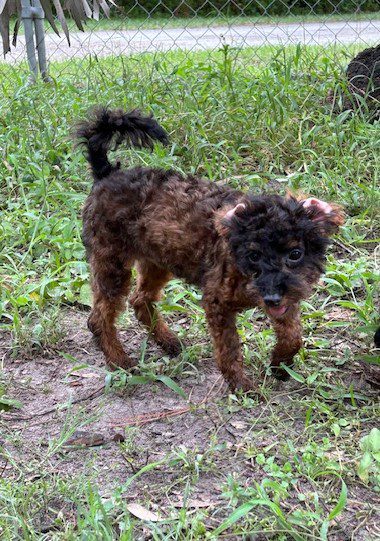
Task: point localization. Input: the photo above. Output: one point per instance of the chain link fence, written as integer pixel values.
(155, 26)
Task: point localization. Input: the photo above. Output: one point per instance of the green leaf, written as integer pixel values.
(260, 459)
(364, 466)
(324, 529)
(371, 442)
(172, 385)
(372, 359)
(293, 374)
(312, 378)
(139, 380)
(85, 295)
(374, 439)
(336, 429)
(308, 415)
(8, 403)
(145, 469)
(341, 502)
(108, 380)
(22, 300)
(237, 515)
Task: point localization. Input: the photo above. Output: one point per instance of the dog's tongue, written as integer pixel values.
(277, 310)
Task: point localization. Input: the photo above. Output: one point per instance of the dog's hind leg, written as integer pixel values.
(111, 278)
(150, 282)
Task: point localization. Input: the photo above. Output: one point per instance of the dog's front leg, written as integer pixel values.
(289, 341)
(222, 324)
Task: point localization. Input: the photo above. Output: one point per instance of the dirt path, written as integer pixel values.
(116, 42)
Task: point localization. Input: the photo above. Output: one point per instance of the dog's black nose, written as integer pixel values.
(272, 300)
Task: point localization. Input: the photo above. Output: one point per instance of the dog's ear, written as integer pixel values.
(233, 212)
(328, 215)
(225, 217)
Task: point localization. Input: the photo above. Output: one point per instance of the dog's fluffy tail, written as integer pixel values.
(105, 125)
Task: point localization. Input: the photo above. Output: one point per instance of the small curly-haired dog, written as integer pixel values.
(241, 250)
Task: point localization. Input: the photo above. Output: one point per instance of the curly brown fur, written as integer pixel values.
(241, 250)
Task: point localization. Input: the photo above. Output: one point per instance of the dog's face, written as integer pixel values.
(280, 244)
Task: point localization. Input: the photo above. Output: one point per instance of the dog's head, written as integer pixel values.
(280, 243)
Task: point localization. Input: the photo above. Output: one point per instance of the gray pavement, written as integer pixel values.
(116, 42)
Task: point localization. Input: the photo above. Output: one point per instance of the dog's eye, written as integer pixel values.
(254, 257)
(295, 255)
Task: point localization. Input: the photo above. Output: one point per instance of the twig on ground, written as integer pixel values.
(94, 394)
(344, 247)
(4, 468)
(149, 417)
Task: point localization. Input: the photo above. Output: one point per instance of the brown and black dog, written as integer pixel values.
(241, 250)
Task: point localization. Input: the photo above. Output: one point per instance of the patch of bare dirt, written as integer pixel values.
(56, 387)
(70, 424)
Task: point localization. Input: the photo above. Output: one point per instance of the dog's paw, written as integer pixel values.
(171, 345)
(245, 384)
(279, 373)
(123, 361)
(94, 329)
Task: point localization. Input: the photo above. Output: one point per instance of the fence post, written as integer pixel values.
(40, 39)
(33, 16)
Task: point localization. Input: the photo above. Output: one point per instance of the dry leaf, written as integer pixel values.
(238, 424)
(85, 439)
(85, 375)
(142, 513)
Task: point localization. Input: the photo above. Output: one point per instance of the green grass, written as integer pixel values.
(123, 22)
(262, 122)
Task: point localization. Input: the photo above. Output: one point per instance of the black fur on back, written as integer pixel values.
(377, 338)
(105, 126)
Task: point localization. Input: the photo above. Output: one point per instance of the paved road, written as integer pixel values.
(115, 42)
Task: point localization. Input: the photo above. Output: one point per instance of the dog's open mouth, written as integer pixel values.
(277, 311)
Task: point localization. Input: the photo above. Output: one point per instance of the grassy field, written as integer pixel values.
(123, 22)
(170, 455)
